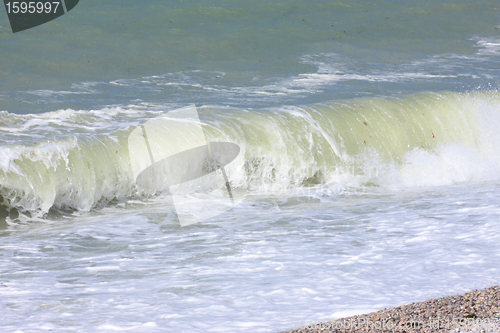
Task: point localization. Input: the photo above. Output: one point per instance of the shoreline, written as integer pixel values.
(474, 311)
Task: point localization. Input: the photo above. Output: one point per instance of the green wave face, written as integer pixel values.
(294, 146)
(394, 142)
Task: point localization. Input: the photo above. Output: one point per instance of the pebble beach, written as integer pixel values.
(475, 311)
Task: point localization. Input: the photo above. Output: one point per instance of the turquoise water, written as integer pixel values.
(368, 135)
(250, 55)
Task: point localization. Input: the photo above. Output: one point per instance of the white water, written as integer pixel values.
(425, 224)
(271, 261)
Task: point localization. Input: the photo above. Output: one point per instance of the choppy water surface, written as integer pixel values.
(369, 147)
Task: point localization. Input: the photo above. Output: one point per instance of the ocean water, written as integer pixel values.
(369, 150)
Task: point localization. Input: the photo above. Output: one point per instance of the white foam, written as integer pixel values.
(488, 46)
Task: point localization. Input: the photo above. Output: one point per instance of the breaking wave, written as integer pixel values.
(79, 160)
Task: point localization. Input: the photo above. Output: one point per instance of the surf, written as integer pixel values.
(80, 161)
